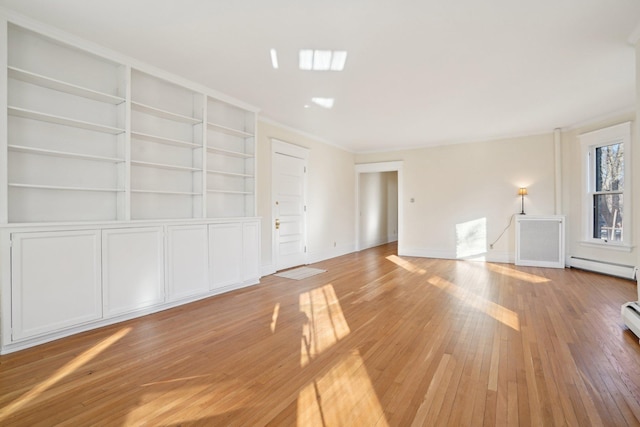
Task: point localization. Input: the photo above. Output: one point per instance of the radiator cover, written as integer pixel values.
(540, 241)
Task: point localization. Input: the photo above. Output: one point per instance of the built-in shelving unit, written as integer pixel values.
(44, 81)
(90, 138)
(55, 153)
(66, 132)
(231, 162)
(124, 190)
(167, 149)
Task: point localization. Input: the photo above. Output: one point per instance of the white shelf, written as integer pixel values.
(147, 109)
(244, 193)
(55, 153)
(58, 187)
(175, 193)
(163, 140)
(229, 131)
(229, 153)
(40, 80)
(241, 175)
(164, 166)
(173, 134)
(44, 117)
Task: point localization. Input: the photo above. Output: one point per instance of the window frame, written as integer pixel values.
(590, 141)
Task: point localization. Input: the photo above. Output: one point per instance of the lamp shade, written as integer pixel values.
(522, 191)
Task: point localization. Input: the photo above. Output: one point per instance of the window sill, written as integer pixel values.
(608, 246)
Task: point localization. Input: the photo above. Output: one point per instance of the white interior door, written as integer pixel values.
(289, 210)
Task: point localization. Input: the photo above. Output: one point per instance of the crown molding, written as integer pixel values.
(634, 37)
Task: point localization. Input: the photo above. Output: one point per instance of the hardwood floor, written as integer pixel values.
(377, 340)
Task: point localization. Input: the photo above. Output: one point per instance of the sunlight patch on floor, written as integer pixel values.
(342, 396)
(325, 323)
(520, 275)
(61, 373)
(498, 312)
(407, 265)
(274, 317)
(164, 399)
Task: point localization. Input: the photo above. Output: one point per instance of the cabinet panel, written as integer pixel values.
(225, 256)
(187, 261)
(251, 251)
(133, 272)
(55, 281)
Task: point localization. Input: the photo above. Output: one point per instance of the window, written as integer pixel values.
(606, 218)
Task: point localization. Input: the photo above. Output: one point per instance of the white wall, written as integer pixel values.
(464, 195)
(330, 195)
(572, 165)
(378, 192)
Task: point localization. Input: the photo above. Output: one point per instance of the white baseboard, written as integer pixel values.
(382, 241)
(503, 257)
(314, 257)
(426, 253)
(267, 269)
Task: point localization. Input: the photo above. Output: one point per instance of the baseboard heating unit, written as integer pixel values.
(612, 269)
(631, 310)
(631, 317)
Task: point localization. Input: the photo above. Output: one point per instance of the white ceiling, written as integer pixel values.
(418, 72)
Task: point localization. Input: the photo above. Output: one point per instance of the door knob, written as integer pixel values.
(277, 224)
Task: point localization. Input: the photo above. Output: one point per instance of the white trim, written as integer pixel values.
(393, 166)
(612, 246)
(634, 37)
(116, 57)
(267, 269)
(289, 149)
(502, 257)
(341, 250)
(629, 111)
(316, 138)
(588, 142)
(286, 148)
(4, 140)
(448, 142)
(557, 158)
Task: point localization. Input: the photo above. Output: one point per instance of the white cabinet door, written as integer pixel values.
(225, 254)
(187, 261)
(251, 251)
(55, 281)
(133, 269)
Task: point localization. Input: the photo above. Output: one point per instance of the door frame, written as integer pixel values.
(286, 148)
(394, 166)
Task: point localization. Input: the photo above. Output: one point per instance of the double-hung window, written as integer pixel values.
(606, 204)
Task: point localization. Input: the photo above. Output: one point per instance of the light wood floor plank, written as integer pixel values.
(377, 340)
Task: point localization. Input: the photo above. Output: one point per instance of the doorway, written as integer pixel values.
(289, 183)
(375, 216)
(378, 208)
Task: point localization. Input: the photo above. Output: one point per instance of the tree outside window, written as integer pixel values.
(606, 218)
(608, 194)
